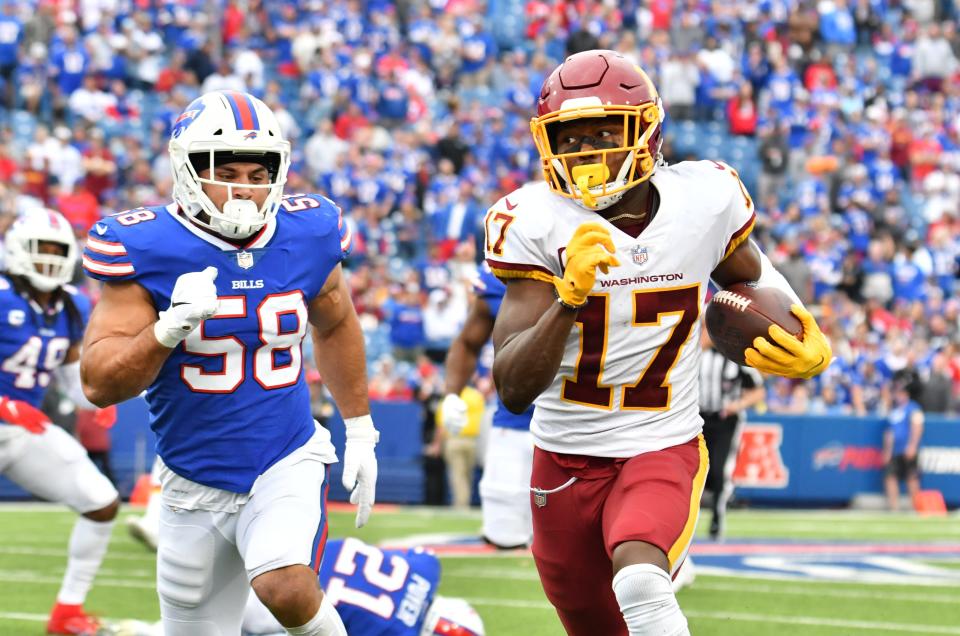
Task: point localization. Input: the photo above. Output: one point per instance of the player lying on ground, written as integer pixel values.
(376, 593)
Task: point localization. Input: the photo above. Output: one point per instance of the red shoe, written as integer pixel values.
(71, 619)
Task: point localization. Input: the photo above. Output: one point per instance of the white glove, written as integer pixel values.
(453, 413)
(360, 465)
(193, 300)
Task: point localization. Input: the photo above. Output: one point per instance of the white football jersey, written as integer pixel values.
(628, 380)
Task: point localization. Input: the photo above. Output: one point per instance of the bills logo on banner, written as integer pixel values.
(759, 462)
(845, 457)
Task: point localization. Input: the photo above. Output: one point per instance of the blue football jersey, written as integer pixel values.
(33, 342)
(230, 401)
(491, 290)
(379, 592)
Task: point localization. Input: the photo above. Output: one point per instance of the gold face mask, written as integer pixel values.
(589, 182)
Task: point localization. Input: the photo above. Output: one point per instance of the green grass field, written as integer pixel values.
(507, 593)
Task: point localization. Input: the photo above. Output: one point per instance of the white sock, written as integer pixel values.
(647, 602)
(88, 544)
(326, 623)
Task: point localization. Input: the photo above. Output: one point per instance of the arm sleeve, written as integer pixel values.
(68, 377)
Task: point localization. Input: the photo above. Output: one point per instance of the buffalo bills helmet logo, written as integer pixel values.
(186, 118)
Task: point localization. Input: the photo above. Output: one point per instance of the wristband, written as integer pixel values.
(565, 304)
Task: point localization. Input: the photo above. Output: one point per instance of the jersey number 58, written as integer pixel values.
(232, 352)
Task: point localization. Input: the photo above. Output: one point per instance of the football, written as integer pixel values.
(741, 312)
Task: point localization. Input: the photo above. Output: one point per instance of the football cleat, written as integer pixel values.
(71, 619)
(140, 530)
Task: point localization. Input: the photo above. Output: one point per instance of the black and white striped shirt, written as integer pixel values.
(722, 381)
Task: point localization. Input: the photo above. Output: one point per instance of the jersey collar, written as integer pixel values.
(260, 239)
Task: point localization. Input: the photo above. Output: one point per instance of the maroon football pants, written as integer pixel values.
(653, 497)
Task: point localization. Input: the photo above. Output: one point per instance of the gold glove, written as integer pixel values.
(590, 248)
(793, 358)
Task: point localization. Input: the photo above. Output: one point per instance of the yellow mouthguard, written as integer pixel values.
(588, 176)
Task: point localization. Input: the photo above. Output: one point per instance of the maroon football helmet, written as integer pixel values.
(599, 83)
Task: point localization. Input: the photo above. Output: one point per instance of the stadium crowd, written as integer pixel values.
(843, 119)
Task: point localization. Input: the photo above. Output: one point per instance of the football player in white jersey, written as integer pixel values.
(607, 264)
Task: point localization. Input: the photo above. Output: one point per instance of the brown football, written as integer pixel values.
(741, 312)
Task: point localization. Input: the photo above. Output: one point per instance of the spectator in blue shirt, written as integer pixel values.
(68, 62)
(11, 34)
(901, 442)
(405, 317)
(836, 25)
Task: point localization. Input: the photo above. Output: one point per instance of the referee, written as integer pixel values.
(726, 391)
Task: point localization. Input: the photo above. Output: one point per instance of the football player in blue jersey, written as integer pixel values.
(42, 326)
(205, 305)
(381, 593)
(508, 461)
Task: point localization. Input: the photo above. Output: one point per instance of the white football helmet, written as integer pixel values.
(215, 128)
(45, 272)
(452, 617)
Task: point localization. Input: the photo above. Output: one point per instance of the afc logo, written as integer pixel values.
(759, 462)
(639, 254)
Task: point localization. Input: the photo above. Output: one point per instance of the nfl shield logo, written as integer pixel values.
(245, 260)
(540, 498)
(639, 254)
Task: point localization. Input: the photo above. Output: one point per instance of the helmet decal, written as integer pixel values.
(187, 117)
(244, 114)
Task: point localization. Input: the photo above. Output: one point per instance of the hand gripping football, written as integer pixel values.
(741, 312)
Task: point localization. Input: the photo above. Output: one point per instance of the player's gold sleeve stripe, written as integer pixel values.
(680, 547)
(740, 236)
(516, 270)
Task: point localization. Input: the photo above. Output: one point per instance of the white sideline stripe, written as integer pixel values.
(819, 593)
(787, 526)
(757, 618)
(465, 572)
(15, 577)
(41, 618)
(900, 628)
(735, 616)
(63, 553)
(492, 575)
